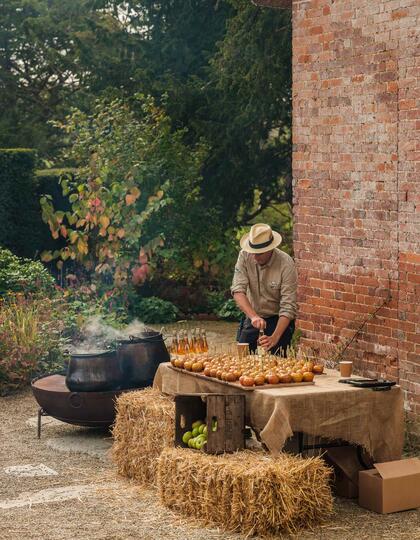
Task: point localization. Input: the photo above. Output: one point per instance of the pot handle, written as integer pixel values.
(145, 338)
(75, 400)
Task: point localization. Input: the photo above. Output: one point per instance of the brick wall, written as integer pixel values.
(356, 136)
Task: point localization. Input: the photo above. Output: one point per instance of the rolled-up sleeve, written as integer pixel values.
(240, 276)
(288, 292)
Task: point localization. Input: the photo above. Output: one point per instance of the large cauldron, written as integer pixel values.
(96, 371)
(140, 357)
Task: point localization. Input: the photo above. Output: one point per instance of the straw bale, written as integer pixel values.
(144, 426)
(247, 492)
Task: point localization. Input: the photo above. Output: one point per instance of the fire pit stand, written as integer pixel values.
(90, 409)
(41, 413)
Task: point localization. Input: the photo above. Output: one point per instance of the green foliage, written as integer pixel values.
(23, 275)
(230, 311)
(198, 252)
(47, 182)
(155, 310)
(215, 300)
(86, 302)
(21, 227)
(134, 173)
(221, 70)
(19, 208)
(297, 334)
(31, 339)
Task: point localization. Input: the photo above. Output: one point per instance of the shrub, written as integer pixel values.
(47, 182)
(230, 311)
(22, 274)
(134, 173)
(31, 338)
(215, 300)
(84, 303)
(155, 310)
(190, 299)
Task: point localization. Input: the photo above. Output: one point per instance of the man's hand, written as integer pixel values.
(258, 322)
(268, 342)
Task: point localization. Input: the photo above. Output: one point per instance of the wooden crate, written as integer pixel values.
(224, 415)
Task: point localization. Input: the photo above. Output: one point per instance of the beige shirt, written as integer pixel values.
(270, 289)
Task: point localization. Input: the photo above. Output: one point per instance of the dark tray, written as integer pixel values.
(368, 383)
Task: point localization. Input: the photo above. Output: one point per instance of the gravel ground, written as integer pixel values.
(86, 499)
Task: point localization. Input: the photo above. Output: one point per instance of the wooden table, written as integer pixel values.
(328, 409)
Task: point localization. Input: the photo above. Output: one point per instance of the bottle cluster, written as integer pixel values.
(187, 342)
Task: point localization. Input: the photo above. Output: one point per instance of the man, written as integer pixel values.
(264, 288)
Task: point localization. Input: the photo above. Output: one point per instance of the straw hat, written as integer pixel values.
(261, 238)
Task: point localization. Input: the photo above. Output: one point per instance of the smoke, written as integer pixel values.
(98, 336)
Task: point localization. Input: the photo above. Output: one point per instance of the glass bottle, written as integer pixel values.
(204, 344)
(180, 340)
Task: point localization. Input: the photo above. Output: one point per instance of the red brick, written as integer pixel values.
(399, 14)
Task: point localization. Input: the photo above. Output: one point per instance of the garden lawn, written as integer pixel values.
(86, 499)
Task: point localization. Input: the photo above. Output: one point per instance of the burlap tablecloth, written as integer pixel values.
(328, 409)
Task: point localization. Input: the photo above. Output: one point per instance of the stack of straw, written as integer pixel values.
(144, 426)
(252, 493)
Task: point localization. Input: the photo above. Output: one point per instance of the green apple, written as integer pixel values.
(186, 437)
(199, 445)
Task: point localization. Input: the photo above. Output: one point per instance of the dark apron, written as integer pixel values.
(248, 334)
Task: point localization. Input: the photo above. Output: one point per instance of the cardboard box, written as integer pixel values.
(391, 486)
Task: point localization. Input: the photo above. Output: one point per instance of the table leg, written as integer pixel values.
(364, 458)
(300, 442)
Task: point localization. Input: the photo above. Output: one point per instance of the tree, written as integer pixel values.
(133, 171)
(55, 54)
(221, 69)
(224, 65)
(250, 130)
(226, 69)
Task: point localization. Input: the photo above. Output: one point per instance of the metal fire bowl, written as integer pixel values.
(92, 409)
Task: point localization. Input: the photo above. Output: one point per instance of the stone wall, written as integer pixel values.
(356, 165)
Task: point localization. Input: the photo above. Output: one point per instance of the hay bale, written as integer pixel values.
(248, 492)
(144, 425)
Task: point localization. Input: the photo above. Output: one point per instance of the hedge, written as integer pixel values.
(19, 208)
(21, 227)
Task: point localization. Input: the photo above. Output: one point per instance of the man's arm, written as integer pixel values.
(239, 288)
(268, 342)
(243, 304)
(288, 307)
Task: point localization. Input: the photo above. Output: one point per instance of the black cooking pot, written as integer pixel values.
(140, 357)
(96, 371)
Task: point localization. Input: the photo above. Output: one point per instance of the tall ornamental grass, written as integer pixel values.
(31, 338)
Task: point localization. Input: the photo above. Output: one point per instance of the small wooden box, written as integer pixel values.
(224, 415)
